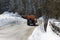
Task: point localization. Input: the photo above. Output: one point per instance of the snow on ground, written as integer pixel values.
(13, 27)
(40, 22)
(56, 22)
(8, 18)
(15, 32)
(48, 35)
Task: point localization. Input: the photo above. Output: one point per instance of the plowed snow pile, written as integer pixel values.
(14, 27)
(38, 34)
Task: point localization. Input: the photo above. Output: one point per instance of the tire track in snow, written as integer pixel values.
(16, 32)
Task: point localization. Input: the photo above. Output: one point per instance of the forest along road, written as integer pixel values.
(19, 31)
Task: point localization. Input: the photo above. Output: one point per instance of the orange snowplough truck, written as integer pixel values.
(31, 19)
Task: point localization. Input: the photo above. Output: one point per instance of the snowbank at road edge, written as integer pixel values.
(49, 35)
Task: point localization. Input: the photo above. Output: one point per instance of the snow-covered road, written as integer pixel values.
(13, 27)
(16, 32)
